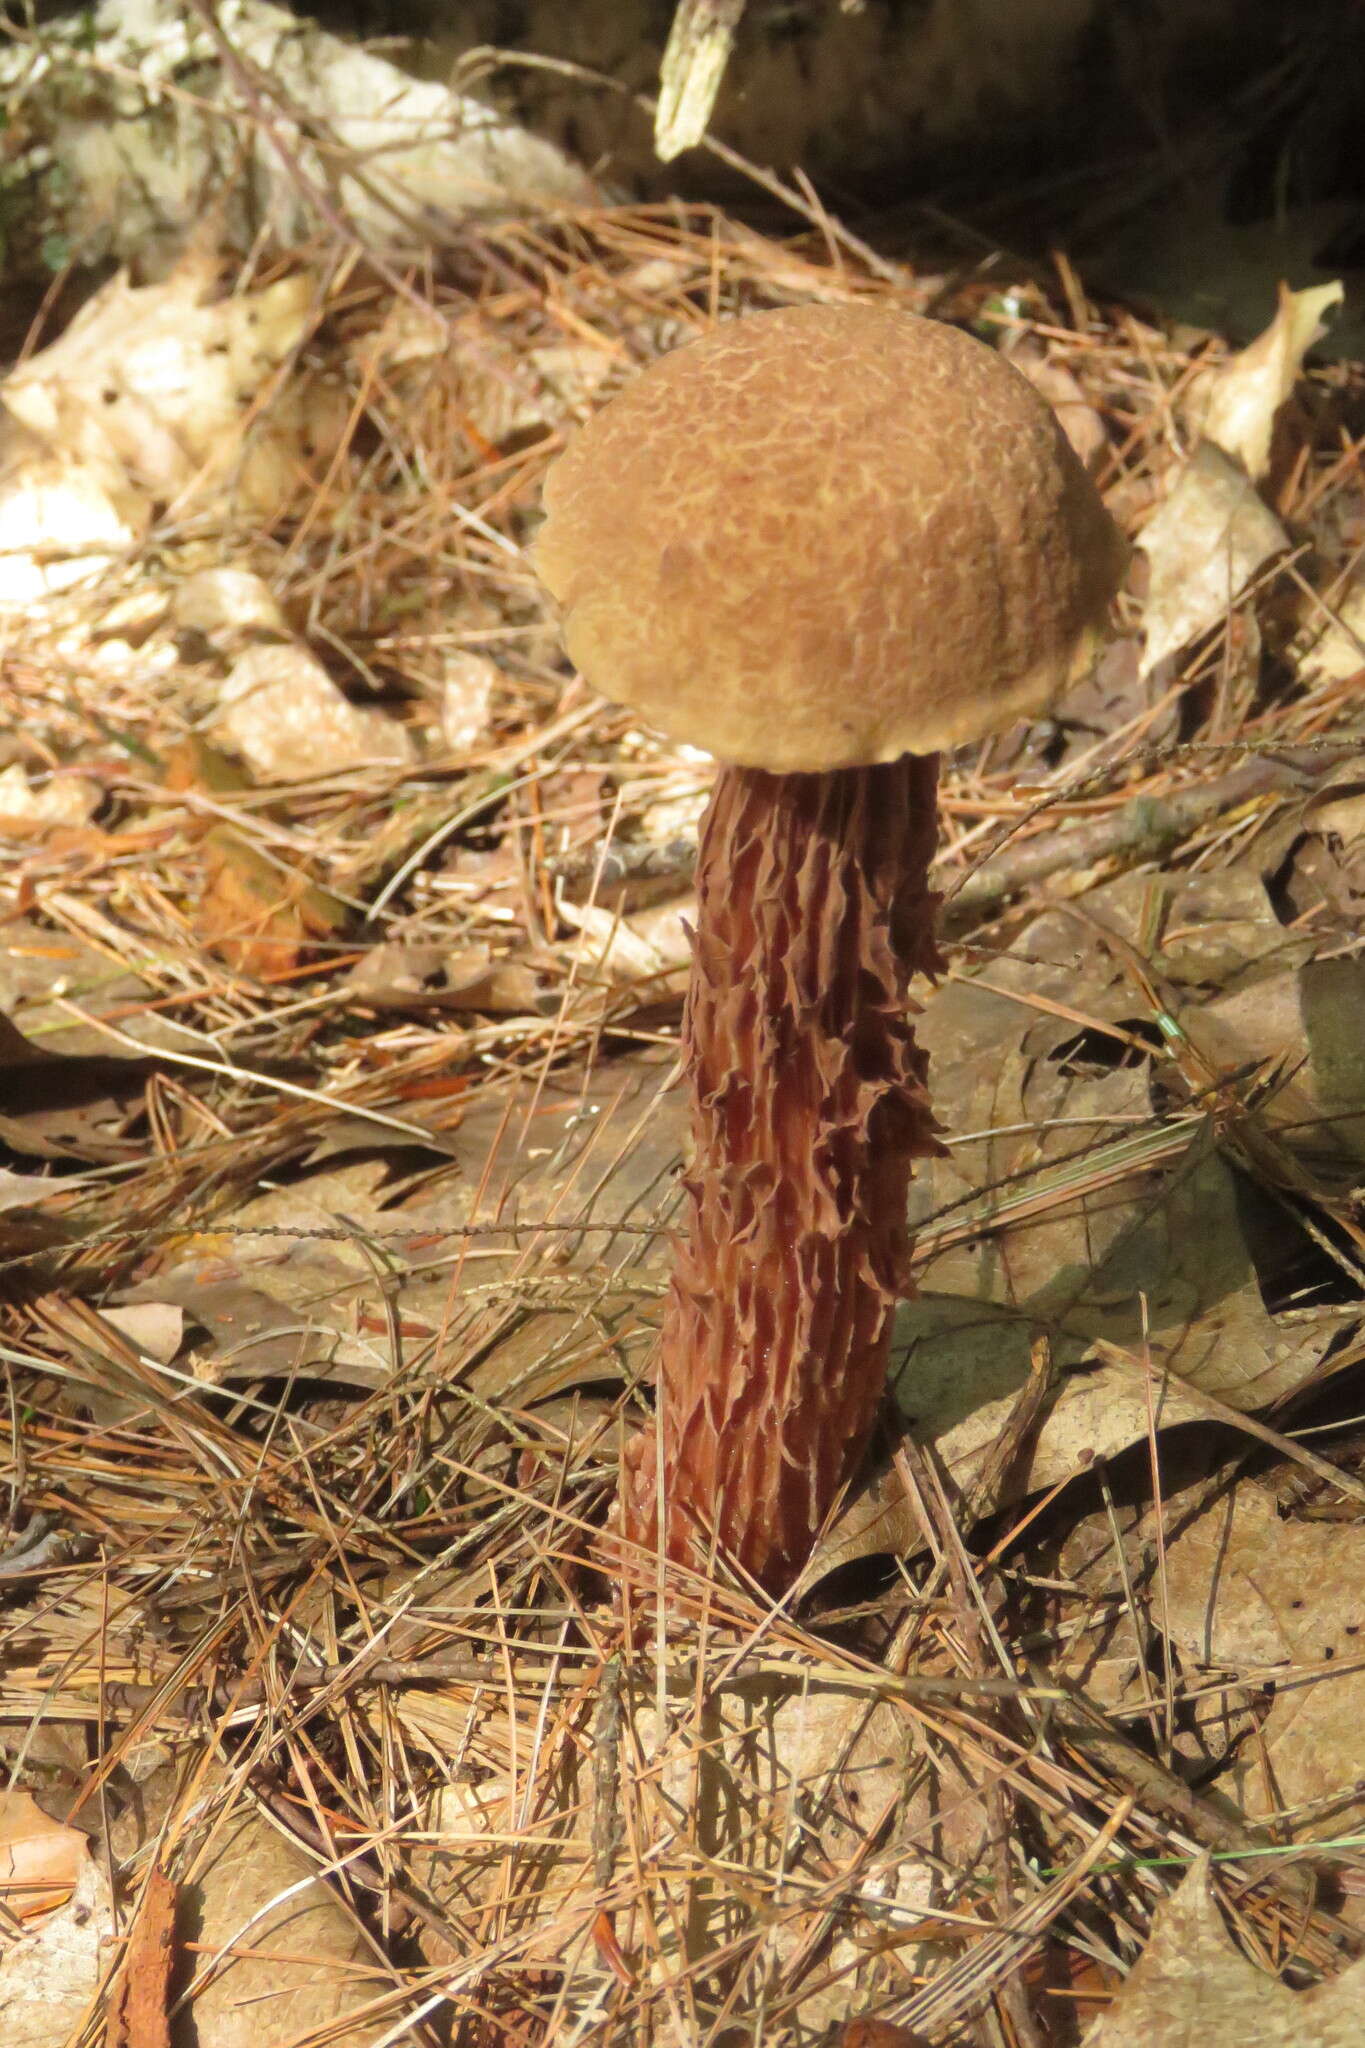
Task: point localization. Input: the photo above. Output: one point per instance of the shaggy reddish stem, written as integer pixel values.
(808, 1109)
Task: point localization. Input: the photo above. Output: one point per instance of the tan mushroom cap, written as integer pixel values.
(825, 537)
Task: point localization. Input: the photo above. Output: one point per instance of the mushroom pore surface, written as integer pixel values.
(825, 537)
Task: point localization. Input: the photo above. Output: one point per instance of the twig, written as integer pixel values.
(1146, 828)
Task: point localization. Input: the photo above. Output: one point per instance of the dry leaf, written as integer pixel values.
(290, 722)
(125, 624)
(476, 980)
(502, 388)
(541, 1355)
(50, 1974)
(1076, 1258)
(467, 685)
(402, 159)
(254, 913)
(1204, 545)
(1235, 405)
(1190, 1988)
(58, 800)
(1307, 1023)
(1162, 1259)
(108, 1374)
(259, 1337)
(1339, 807)
(62, 523)
(591, 1156)
(87, 959)
(279, 1955)
(766, 1761)
(40, 1860)
(410, 335)
(1246, 1589)
(156, 385)
(155, 1328)
(228, 606)
(1337, 653)
(398, 977)
(153, 396)
(28, 1190)
(252, 910)
(644, 947)
(1078, 419)
(62, 1106)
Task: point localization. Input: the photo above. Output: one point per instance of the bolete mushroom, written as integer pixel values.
(823, 544)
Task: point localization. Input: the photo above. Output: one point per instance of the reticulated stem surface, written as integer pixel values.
(808, 1108)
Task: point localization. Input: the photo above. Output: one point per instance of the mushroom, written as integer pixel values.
(822, 543)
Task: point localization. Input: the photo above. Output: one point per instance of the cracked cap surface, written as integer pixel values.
(825, 537)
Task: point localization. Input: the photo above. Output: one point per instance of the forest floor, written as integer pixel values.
(342, 939)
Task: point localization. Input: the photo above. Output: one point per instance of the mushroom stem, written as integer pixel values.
(808, 1108)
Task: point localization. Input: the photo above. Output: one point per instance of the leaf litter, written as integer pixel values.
(338, 1165)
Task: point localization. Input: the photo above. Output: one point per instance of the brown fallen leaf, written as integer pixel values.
(278, 1953)
(1204, 546)
(51, 1972)
(138, 2001)
(1246, 1591)
(285, 716)
(1322, 879)
(1030, 1222)
(155, 388)
(63, 522)
(230, 606)
(256, 914)
(41, 970)
(1190, 1988)
(40, 1860)
(56, 1105)
(48, 805)
(1235, 404)
(399, 977)
(1334, 644)
(1309, 1020)
(255, 1336)
(650, 946)
(770, 1747)
(31, 1207)
(155, 1328)
(1077, 417)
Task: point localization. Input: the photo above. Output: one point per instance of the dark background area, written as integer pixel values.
(1187, 153)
